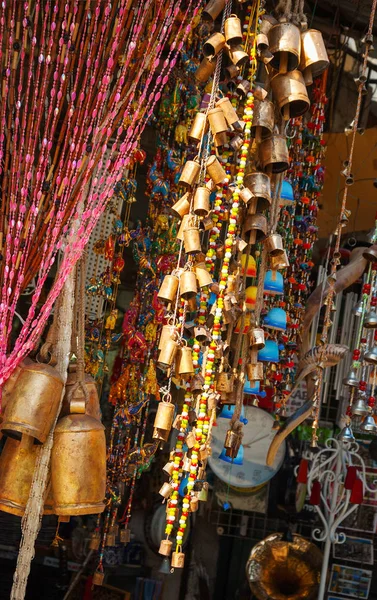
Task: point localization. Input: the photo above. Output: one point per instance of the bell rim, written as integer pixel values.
(72, 510)
(78, 420)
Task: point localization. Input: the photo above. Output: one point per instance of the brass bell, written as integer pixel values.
(213, 45)
(236, 142)
(167, 332)
(212, 10)
(205, 70)
(78, 466)
(184, 223)
(255, 371)
(229, 113)
(163, 421)
(273, 154)
(201, 201)
(215, 170)
(178, 560)
(314, 59)
(263, 119)
(274, 244)
(190, 173)
(279, 262)
(233, 71)
(351, 380)
(98, 578)
(190, 439)
(191, 238)
(125, 535)
(92, 406)
(182, 206)
(220, 139)
(359, 408)
(206, 223)
(168, 289)
(246, 195)
(233, 30)
(232, 443)
(198, 128)
(238, 56)
(243, 88)
(370, 320)
(184, 361)
(290, 94)
(169, 468)
(371, 356)
(217, 121)
(165, 547)
(260, 186)
(204, 278)
(285, 44)
(188, 286)
(255, 228)
(167, 354)
(194, 504)
(34, 402)
(224, 383)
(257, 338)
(166, 490)
(197, 381)
(94, 540)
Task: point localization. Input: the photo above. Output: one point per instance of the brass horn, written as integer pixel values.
(279, 568)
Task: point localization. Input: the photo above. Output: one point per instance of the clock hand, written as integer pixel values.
(255, 441)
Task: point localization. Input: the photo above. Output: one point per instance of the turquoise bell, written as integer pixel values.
(270, 353)
(276, 318)
(274, 283)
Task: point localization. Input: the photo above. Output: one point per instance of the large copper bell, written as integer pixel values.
(204, 278)
(238, 56)
(198, 128)
(184, 223)
(255, 228)
(263, 119)
(290, 94)
(273, 154)
(78, 466)
(163, 421)
(168, 289)
(213, 45)
(285, 45)
(229, 113)
(213, 9)
(260, 186)
(188, 285)
(17, 462)
(205, 70)
(184, 364)
(233, 30)
(92, 407)
(215, 170)
(182, 206)
(190, 173)
(33, 405)
(274, 244)
(201, 201)
(217, 121)
(314, 59)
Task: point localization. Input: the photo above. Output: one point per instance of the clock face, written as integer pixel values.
(249, 468)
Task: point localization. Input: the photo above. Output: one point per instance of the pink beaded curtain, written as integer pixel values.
(80, 81)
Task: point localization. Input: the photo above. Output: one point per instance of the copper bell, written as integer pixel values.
(34, 402)
(92, 406)
(238, 56)
(166, 334)
(255, 371)
(190, 173)
(94, 540)
(163, 420)
(260, 186)
(169, 468)
(217, 121)
(125, 535)
(184, 361)
(233, 30)
(213, 45)
(184, 223)
(224, 383)
(256, 336)
(98, 578)
(314, 59)
(188, 286)
(78, 466)
(274, 244)
(285, 45)
(290, 94)
(232, 443)
(191, 238)
(243, 88)
(236, 143)
(204, 278)
(229, 113)
(280, 261)
(182, 206)
(233, 71)
(215, 170)
(166, 490)
(255, 228)
(263, 119)
(205, 70)
(206, 223)
(165, 547)
(194, 504)
(167, 354)
(201, 201)
(17, 462)
(198, 128)
(273, 154)
(168, 289)
(220, 139)
(213, 9)
(178, 560)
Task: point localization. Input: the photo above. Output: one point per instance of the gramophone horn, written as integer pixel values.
(279, 568)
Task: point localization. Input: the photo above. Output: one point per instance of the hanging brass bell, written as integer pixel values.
(204, 278)
(184, 223)
(167, 354)
(188, 286)
(205, 70)
(166, 490)
(220, 139)
(98, 578)
(238, 56)
(232, 443)
(163, 420)
(206, 223)
(198, 128)
(191, 238)
(255, 228)
(182, 206)
(263, 119)
(190, 173)
(167, 333)
(236, 142)
(233, 30)
(246, 195)
(212, 10)
(169, 468)
(92, 406)
(201, 201)
(229, 113)
(290, 93)
(184, 364)
(243, 88)
(233, 71)
(34, 402)
(78, 466)
(256, 336)
(274, 244)
(213, 45)
(125, 535)
(178, 560)
(168, 289)
(279, 262)
(94, 540)
(165, 547)
(260, 186)
(215, 170)
(217, 121)
(285, 44)
(314, 60)
(273, 154)
(224, 383)
(255, 371)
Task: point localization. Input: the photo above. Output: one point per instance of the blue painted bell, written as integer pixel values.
(276, 318)
(270, 353)
(236, 461)
(251, 389)
(286, 194)
(227, 412)
(274, 283)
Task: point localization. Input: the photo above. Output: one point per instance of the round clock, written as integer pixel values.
(249, 468)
